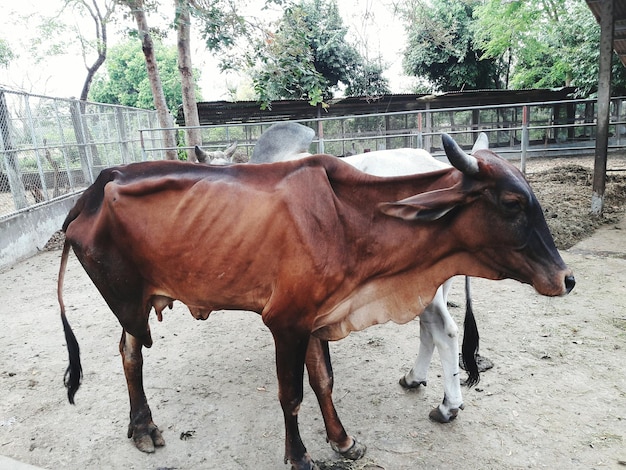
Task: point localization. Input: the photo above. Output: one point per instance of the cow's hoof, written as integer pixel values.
(144, 444)
(437, 415)
(307, 466)
(304, 464)
(411, 385)
(482, 362)
(354, 452)
(147, 441)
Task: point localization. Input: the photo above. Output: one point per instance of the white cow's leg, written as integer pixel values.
(448, 348)
(441, 307)
(445, 336)
(436, 315)
(438, 329)
(418, 375)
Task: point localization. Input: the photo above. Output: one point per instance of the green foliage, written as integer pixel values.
(441, 47)
(309, 56)
(285, 63)
(367, 80)
(220, 23)
(126, 82)
(6, 54)
(51, 38)
(512, 44)
(549, 43)
(580, 51)
(527, 35)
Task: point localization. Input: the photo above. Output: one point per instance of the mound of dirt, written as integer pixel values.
(564, 192)
(55, 242)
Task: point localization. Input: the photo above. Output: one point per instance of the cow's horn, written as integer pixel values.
(459, 159)
(482, 142)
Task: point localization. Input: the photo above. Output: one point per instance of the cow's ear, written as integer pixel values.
(428, 206)
(410, 212)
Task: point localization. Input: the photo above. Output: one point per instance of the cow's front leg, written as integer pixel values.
(321, 380)
(142, 429)
(291, 349)
(418, 375)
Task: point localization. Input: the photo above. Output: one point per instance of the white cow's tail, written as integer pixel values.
(471, 339)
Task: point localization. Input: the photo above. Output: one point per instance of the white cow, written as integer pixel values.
(437, 327)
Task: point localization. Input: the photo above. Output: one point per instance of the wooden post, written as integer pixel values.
(607, 25)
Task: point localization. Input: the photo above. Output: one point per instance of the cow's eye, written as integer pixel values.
(512, 205)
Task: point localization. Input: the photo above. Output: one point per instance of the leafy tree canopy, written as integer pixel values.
(220, 22)
(441, 47)
(125, 81)
(547, 43)
(514, 44)
(308, 57)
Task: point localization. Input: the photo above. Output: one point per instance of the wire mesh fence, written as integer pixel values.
(50, 146)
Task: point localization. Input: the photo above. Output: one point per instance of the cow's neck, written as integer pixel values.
(395, 280)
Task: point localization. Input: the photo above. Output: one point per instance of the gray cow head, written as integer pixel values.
(216, 157)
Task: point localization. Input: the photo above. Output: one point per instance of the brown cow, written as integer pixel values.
(316, 247)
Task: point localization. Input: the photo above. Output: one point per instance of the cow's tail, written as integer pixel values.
(74, 372)
(471, 339)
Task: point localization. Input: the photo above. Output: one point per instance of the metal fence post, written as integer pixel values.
(66, 161)
(420, 131)
(428, 141)
(40, 192)
(122, 135)
(11, 162)
(81, 141)
(320, 131)
(524, 143)
(618, 115)
(144, 154)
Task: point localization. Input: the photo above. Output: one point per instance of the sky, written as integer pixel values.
(370, 22)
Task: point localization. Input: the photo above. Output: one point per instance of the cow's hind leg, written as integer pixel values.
(142, 429)
(433, 324)
(321, 380)
(291, 349)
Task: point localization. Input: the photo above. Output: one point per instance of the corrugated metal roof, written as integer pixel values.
(224, 112)
(619, 35)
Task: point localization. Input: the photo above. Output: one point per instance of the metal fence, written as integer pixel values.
(515, 130)
(50, 146)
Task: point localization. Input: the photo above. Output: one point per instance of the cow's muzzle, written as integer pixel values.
(570, 282)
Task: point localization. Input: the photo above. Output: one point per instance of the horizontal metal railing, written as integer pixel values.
(518, 130)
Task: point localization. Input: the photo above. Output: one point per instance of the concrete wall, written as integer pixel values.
(25, 234)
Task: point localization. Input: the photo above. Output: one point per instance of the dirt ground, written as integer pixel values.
(556, 397)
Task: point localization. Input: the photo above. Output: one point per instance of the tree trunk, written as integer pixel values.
(190, 107)
(165, 118)
(100, 20)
